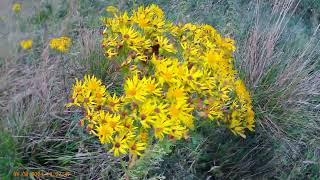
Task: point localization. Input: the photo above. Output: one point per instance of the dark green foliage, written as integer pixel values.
(43, 15)
(1, 62)
(218, 154)
(63, 9)
(151, 162)
(9, 157)
(87, 7)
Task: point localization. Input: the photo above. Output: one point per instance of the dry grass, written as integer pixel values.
(295, 82)
(284, 81)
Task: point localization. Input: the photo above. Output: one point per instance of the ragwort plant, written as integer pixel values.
(174, 75)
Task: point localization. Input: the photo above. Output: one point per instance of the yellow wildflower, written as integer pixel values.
(144, 136)
(135, 89)
(104, 132)
(120, 146)
(26, 44)
(136, 148)
(111, 9)
(164, 44)
(16, 7)
(78, 90)
(151, 86)
(176, 93)
(61, 44)
(113, 102)
(180, 112)
(162, 127)
(147, 114)
(141, 17)
(128, 34)
(177, 132)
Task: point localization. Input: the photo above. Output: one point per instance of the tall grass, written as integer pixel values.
(282, 72)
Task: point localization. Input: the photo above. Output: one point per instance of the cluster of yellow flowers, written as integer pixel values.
(61, 44)
(26, 44)
(16, 7)
(175, 74)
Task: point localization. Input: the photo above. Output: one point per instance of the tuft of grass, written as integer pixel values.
(150, 162)
(9, 157)
(43, 15)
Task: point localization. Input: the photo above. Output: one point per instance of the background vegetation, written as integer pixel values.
(278, 55)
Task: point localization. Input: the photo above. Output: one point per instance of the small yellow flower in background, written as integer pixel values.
(16, 7)
(111, 9)
(26, 44)
(61, 44)
(2, 18)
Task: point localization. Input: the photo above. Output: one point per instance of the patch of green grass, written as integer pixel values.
(62, 9)
(150, 162)
(9, 156)
(43, 15)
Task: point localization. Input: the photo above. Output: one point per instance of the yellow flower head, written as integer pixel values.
(143, 136)
(162, 127)
(152, 86)
(104, 132)
(136, 148)
(147, 113)
(120, 146)
(16, 7)
(26, 44)
(135, 89)
(93, 83)
(113, 102)
(111, 9)
(164, 44)
(60, 44)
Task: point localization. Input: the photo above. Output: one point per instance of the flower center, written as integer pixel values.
(132, 92)
(134, 147)
(157, 110)
(158, 129)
